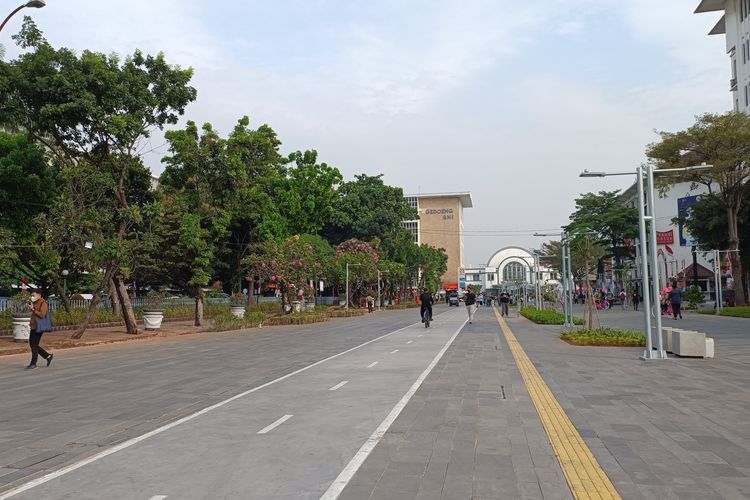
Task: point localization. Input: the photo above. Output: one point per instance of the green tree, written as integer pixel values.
(613, 223)
(724, 142)
(367, 208)
(198, 187)
(92, 113)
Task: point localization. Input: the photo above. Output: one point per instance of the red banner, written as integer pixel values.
(665, 237)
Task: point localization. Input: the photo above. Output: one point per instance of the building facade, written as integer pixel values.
(507, 269)
(441, 225)
(675, 247)
(735, 25)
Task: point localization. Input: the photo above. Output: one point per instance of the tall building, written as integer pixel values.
(735, 25)
(441, 225)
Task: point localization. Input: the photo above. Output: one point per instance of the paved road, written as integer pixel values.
(289, 439)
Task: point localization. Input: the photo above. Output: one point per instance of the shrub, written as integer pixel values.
(547, 316)
(238, 300)
(19, 304)
(303, 318)
(694, 297)
(343, 313)
(266, 307)
(227, 321)
(604, 337)
(154, 302)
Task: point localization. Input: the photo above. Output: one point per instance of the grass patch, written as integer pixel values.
(226, 321)
(547, 316)
(605, 337)
(303, 318)
(732, 312)
(343, 313)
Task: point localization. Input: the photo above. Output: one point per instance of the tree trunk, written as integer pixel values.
(114, 297)
(199, 306)
(131, 327)
(78, 333)
(589, 296)
(734, 244)
(63, 297)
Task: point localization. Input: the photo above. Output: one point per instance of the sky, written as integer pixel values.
(508, 100)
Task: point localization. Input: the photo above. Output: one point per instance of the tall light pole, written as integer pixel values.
(564, 249)
(33, 4)
(648, 251)
(347, 282)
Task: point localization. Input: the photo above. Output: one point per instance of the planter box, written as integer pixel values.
(710, 348)
(238, 311)
(310, 306)
(21, 328)
(152, 319)
(297, 306)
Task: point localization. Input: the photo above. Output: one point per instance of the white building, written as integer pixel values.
(507, 268)
(735, 25)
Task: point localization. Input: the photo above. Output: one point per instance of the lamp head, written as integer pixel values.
(35, 4)
(586, 173)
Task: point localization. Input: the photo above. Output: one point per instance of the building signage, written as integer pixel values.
(683, 204)
(665, 237)
(447, 213)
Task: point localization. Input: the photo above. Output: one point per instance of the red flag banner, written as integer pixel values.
(665, 237)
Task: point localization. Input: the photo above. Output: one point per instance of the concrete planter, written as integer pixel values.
(152, 319)
(21, 328)
(238, 311)
(310, 306)
(297, 306)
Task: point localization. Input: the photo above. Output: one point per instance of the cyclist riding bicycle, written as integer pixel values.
(426, 300)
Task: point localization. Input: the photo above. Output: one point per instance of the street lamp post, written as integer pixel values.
(380, 298)
(565, 257)
(648, 250)
(33, 4)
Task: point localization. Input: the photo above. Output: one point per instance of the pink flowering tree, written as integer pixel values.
(363, 260)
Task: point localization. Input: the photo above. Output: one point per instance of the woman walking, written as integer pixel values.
(40, 322)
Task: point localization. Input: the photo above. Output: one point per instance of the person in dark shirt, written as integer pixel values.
(471, 303)
(504, 301)
(426, 301)
(675, 297)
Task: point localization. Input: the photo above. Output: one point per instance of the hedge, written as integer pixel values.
(547, 316)
(604, 337)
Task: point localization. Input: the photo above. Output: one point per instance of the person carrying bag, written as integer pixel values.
(41, 322)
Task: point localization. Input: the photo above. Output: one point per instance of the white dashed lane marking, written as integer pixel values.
(394, 351)
(372, 364)
(339, 385)
(271, 427)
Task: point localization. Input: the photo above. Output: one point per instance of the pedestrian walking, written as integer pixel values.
(504, 301)
(41, 322)
(370, 303)
(622, 297)
(636, 300)
(471, 304)
(675, 298)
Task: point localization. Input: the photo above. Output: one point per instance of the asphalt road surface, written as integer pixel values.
(271, 413)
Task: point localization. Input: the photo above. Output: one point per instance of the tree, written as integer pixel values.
(307, 194)
(724, 142)
(613, 223)
(366, 208)
(363, 260)
(92, 113)
(198, 187)
(287, 263)
(707, 224)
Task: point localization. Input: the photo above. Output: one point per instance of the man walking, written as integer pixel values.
(675, 298)
(504, 301)
(636, 299)
(471, 303)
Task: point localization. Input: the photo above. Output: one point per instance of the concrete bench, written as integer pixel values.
(710, 349)
(688, 343)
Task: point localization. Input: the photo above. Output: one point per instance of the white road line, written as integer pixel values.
(339, 385)
(266, 430)
(372, 364)
(158, 497)
(420, 336)
(409, 342)
(338, 485)
(394, 351)
(130, 442)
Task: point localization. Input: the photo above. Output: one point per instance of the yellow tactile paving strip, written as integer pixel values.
(586, 478)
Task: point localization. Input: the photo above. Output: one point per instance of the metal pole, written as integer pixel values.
(570, 284)
(564, 281)
(379, 299)
(660, 352)
(347, 286)
(646, 302)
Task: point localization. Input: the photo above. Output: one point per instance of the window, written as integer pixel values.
(413, 202)
(413, 227)
(514, 271)
(746, 97)
(491, 277)
(744, 53)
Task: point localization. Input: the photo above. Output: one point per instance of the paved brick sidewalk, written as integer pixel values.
(460, 438)
(60, 339)
(678, 428)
